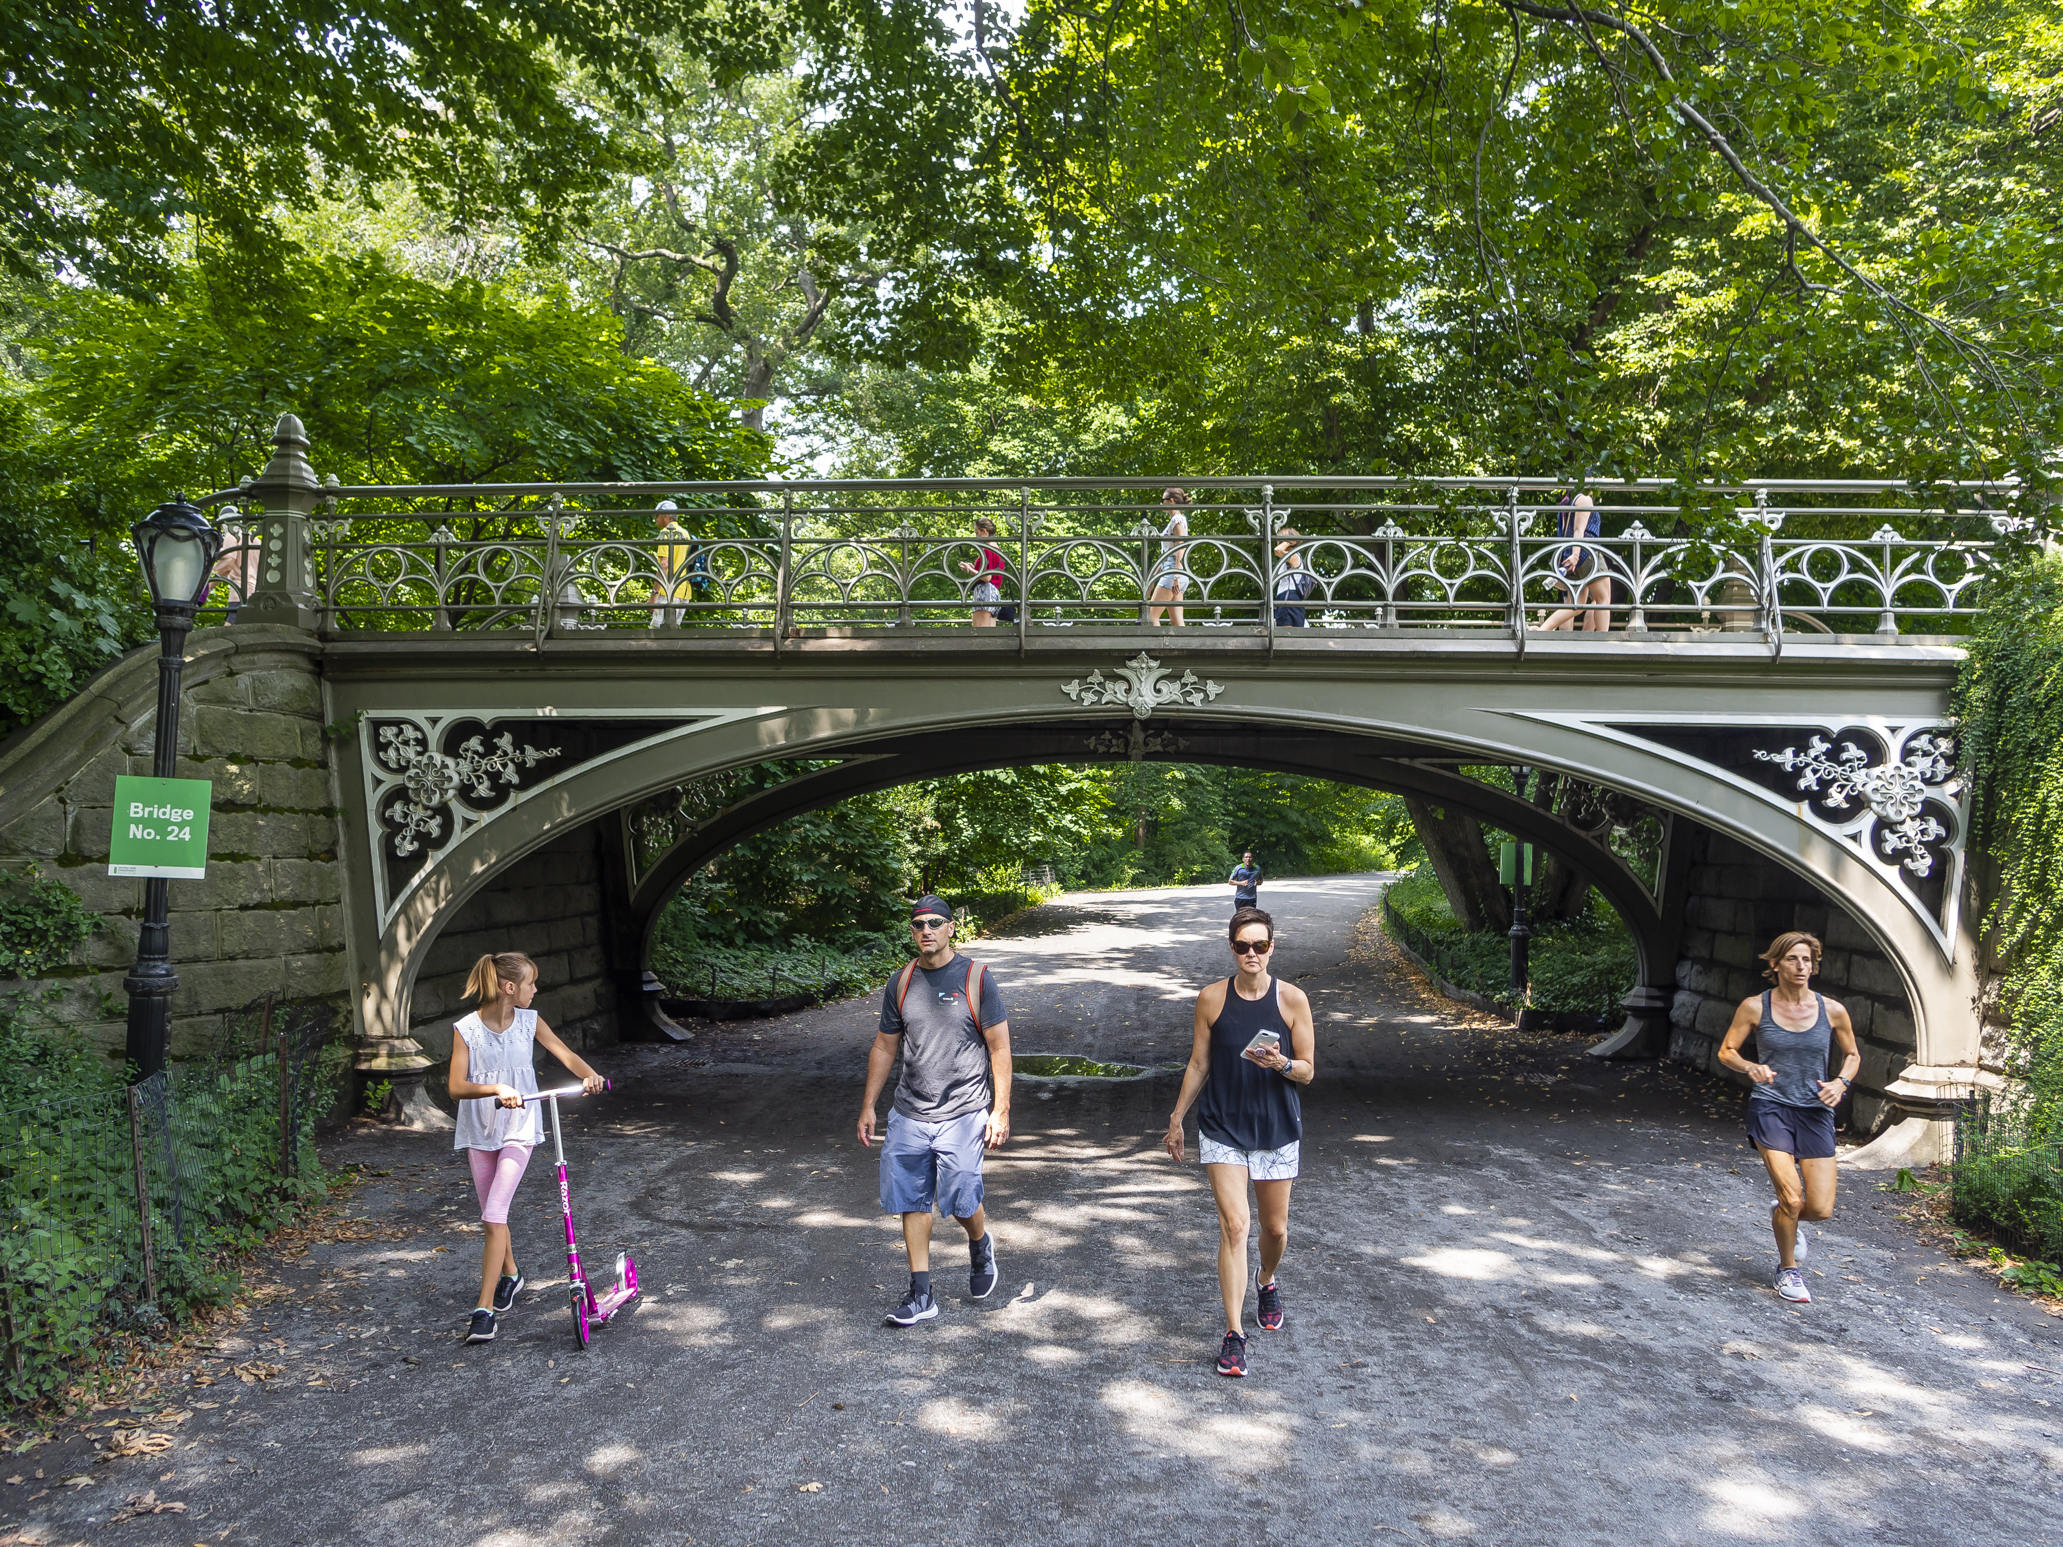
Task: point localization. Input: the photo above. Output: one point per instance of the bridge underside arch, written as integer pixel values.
(1425, 765)
(1388, 764)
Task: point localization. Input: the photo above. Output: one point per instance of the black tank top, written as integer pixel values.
(1245, 1106)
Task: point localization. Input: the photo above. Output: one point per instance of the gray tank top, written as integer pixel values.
(1798, 1059)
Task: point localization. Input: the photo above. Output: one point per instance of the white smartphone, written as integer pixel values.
(1264, 1041)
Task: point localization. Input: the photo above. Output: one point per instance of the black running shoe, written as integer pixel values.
(507, 1289)
(912, 1308)
(481, 1328)
(981, 1274)
(1271, 1308)
(1232, 1355)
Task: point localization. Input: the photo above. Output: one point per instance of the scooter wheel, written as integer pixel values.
(627, 1271)
(582, 1330)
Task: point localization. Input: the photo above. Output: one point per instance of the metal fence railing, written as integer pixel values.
(113, 1204)
(1369, 554)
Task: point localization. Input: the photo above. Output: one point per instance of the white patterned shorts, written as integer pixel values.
(1262, 1165)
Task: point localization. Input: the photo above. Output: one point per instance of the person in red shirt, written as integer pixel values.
(987, 593)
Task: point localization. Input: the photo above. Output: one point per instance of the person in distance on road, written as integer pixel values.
(945, 1014)
(1245, 881)
(1250, 1123)
(1791, 1107)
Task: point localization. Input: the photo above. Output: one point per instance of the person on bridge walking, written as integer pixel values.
(1171, 574)
(675, 589)
(1293, 583)
(1250, 1124)
(1791, 1107)
(988, 575)
(1245, 881)
(1585, 576)
(491, 1073)
(944, 1014)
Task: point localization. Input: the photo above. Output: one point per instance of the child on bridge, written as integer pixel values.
(491, 1073)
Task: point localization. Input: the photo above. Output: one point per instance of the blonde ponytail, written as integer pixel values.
(491, 971)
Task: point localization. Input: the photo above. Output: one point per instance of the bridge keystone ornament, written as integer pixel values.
(1139, 687)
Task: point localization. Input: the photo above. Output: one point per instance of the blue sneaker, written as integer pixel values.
(1232, 1356)
(981, 1273)
(913, 1308)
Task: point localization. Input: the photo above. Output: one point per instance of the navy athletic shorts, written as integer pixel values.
(1806, 1133)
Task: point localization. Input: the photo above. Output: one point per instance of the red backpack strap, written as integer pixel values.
(974, 986)
(902, 987)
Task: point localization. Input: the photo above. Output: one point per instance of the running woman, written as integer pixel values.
(491, 1073)
(944, 1014)
(1791, 1108)
(1250, 1123)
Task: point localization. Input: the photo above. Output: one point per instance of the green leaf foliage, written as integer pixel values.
(1583, 967)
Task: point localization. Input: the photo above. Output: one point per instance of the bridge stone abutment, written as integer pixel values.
(269, 917)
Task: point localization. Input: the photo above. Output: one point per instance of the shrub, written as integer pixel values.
(1583, 967)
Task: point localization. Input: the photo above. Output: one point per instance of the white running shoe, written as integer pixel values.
(1790, 1285)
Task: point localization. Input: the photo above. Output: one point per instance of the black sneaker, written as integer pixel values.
(505, 1292)
(911, 1309)
(981, 1274)
(1270, 1317)
(1232, 1356)
(481, 1328)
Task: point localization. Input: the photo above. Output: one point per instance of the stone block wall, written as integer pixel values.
(269, 915)
(549, 906)
(1739, 901)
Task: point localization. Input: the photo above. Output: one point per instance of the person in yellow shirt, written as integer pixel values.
(670, 595)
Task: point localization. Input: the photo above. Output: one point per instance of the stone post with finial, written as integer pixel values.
(285, 493)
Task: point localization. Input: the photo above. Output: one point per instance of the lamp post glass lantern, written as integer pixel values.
(176, 546)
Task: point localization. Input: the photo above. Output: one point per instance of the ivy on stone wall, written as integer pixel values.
(41, 924)
(2010, 705)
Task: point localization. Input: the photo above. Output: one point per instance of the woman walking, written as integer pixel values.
(1583, 569)
(1171, 574)
(1791, 1108)
(1250, 1124)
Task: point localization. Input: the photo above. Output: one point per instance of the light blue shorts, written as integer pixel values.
(927, 1164)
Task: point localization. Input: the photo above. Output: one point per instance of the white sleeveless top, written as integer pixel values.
(499, 1058)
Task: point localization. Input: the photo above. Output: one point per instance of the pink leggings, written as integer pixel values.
(495, 1175)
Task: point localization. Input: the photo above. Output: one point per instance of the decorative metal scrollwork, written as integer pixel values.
(435, 780)
(1139, 687)
(1136, 745)
(1895, 792)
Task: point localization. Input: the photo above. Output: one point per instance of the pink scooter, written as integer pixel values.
(589, 1309)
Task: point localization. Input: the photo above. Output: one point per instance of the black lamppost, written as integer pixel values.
(1521, 935)
(177, 547)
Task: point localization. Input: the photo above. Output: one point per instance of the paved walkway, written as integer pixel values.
(1528, 1302)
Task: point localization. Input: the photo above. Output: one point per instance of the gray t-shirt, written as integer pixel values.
(1245, 880)
(945, 1057)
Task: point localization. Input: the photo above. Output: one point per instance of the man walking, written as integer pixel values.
(945, 1015)
(1246, 883)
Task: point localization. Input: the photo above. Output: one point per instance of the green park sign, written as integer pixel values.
(160, 828)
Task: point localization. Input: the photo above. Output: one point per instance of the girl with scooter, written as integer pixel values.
(491, 1073)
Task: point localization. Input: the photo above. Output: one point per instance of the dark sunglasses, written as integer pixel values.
(1252, 947)
(923, 924)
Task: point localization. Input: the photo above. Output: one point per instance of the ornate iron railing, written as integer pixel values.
(1374, 554)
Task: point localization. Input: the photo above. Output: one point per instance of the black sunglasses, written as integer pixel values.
(1252, 947)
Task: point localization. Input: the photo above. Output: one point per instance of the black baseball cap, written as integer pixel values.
(928, 906)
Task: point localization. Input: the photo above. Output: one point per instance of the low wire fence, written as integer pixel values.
(2007, 1176)
(120, 1208)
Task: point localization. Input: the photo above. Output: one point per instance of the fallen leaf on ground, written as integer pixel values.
(147, 1504)
(136, 1443)
(76, 1480)
(248, 1373)
(810, 1488)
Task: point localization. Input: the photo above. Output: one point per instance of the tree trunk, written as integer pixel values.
(1454, 844)
(1559, 892)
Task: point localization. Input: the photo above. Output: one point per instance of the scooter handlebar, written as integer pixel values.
(569, 1090)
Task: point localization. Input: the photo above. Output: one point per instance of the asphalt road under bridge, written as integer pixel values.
(1528, 1301)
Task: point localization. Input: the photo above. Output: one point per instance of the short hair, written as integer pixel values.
(1246, 916)
(1786, 943)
